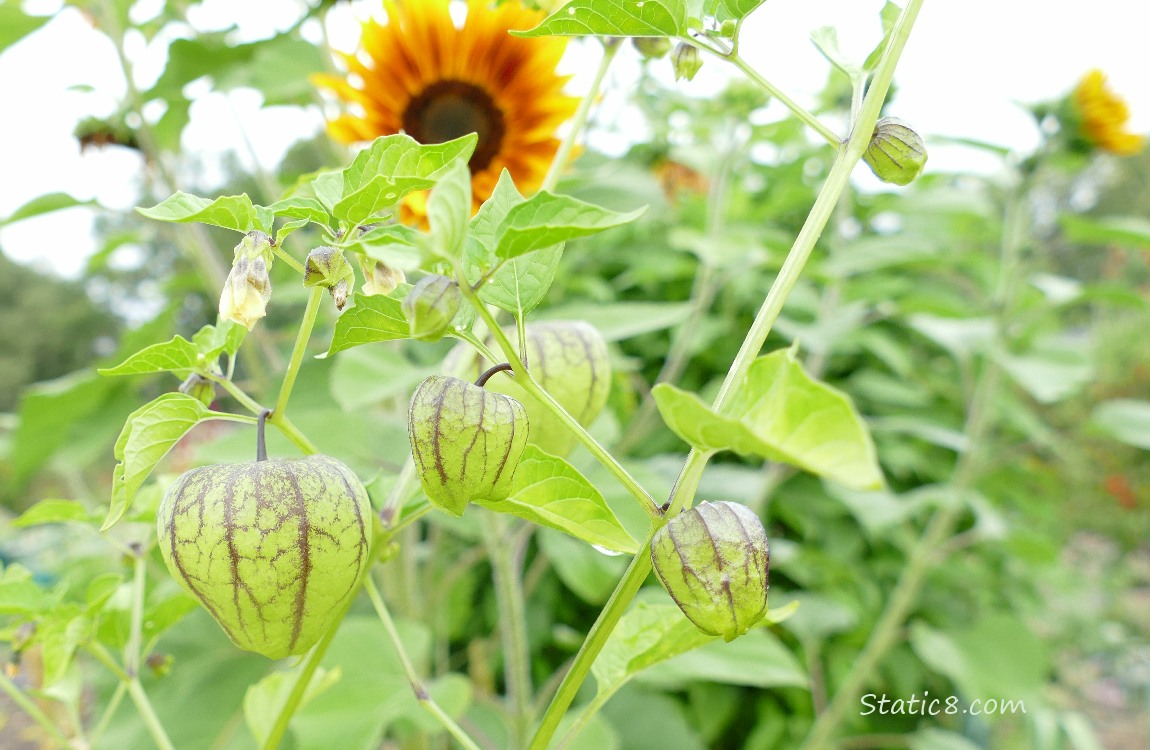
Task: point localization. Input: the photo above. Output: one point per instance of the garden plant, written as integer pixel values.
(455, 431)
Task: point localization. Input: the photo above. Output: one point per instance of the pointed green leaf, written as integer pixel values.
(148, 435)
(646, 635)
(230, 211)
(263, 700)
(1126, 420)
(52, 511)
(178, 355)
(740, 8)
(43, 204)
(521, 283)
(373, 318)
(448, 210)
(550, 492)
(826, 39)
(19, 594)
(782, 414)
(225, 338)
(614, 18)
(299, 207)
(889, 15)
(546, 219)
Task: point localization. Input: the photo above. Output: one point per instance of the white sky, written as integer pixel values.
(965, 69)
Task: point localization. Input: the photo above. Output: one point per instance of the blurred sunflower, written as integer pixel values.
(1102, 116)
(422, 75)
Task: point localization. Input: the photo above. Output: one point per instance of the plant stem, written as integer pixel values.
(305, 326)
(610, 47)
(21, 699)
(687, 484)
(512, 625)
(148, 714)
(109, 712)
(284, 424)
(416, 683)
(279, 729)
(525, 380)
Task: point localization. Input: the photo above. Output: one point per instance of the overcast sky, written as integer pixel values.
(965, 70)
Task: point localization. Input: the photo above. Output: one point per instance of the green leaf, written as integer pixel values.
(774, 664)
(178, 355)
(889, 15)
(780, 413)
(546, 219)
(646, 635)
(148, 435)
(161, 616)
(522, 283)
(43, 204)
(614, 18)
(212, 341)
(550, 492)
(60, 633)
(826, 39)
(19, 594)
(1125, 420)
(52, 511)
(15, 24)
(299, 207)
(263, 700)
(448, 210)
(230, 212)
(740, 8)
(393, 166)
(280, 70)
(373, 318)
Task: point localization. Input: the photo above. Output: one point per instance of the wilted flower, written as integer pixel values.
(380, 278)
(248, 288)
(687, 61)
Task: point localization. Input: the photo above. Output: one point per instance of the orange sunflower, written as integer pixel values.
(422, 75)
(1103, 115)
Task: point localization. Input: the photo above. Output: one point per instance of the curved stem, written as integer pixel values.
(283, 424)
(413, 679)
(525, 380)
(610, 47)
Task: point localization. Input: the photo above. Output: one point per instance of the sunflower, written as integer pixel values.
(1103, 115)
(422, 75)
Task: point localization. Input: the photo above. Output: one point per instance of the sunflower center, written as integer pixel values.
(446, 110)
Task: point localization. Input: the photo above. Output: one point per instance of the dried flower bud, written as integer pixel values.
(652, 47)
(326, 267)
(430, 306)
(466, 442)
(159, 664)
(380, 278)
(686, 60)
(248, 287)
(713, 561)
(896, 153)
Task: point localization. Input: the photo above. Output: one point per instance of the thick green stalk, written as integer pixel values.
(687, 484)
(148, 714)
(610, 47)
